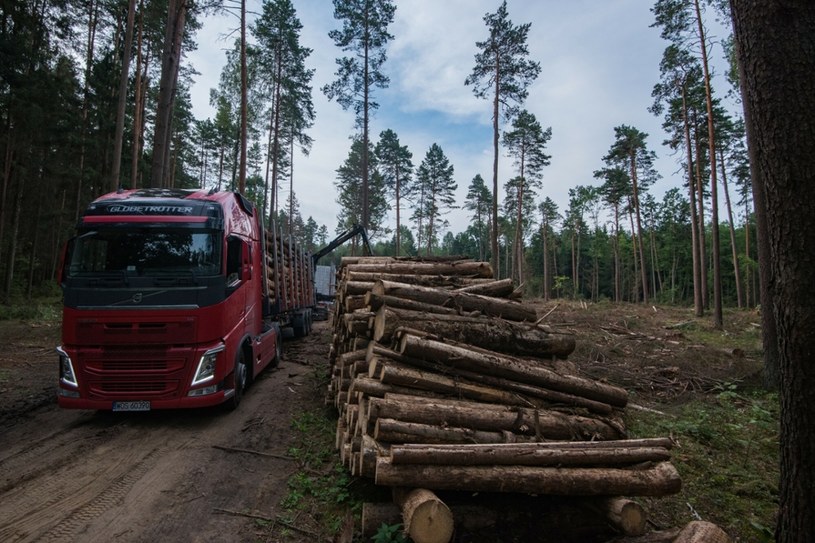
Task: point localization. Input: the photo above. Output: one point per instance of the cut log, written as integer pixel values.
(461, 267)
(627, 516)
(481, 416)
(524, 454)
(473, 518)
(494, 334)
(511, 367)
(426, 519)
(648, 442)
(494, 307)
(374, 387)
(441, 281)
(397, 431)
(700, 531)
(424, 380)
(524, 389)
(375, 301)
(659, 480)
(502, 288)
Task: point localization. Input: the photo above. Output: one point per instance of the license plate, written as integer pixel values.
(132, 406)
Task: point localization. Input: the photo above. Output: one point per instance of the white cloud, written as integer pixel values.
(599, 61)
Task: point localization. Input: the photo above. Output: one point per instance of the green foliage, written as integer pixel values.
(435, 190)
(727, 455)
(389, 534)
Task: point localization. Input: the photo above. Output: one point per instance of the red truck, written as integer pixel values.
(174, 299)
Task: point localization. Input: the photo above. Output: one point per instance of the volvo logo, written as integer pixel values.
(137, 298)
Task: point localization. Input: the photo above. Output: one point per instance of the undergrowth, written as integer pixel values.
(727, 455)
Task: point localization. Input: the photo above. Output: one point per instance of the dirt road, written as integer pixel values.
(161, 476)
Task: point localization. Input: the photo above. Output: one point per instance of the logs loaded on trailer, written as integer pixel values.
(447, 385)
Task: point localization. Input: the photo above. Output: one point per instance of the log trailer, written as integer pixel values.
(175, 299)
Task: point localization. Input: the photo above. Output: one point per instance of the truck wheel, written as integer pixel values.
(298, 325)
(241, 379)
(278, 349)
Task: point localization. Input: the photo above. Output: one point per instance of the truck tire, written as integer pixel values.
(298, 325)
(241, 379)
(278, 349)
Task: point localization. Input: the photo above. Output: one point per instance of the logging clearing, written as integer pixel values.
(444, 388)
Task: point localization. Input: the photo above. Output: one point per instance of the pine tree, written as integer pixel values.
(434, 179)
(503, 74)
(396, 166)
(365, 34)
(526, 143)
(349, 187)
(286, 83)
(630, 151)
(478, 200)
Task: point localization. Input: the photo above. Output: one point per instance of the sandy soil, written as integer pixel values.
(162, 476)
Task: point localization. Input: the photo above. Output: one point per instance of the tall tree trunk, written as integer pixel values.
(714, 198)
(138, 106)
(618, 286)
(244, 103)
(767, 281)
(696, 262)
(398, 224)
(15, 234)
(170, 58)
(776, 53)
(496, 258)
(700, 216)
(547, 280)
(115, 182)
(640, 238)
(748, 279)
(732, 229)
(366, 212)
(93, 14)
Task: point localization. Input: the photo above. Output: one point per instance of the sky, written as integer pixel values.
(599, 62)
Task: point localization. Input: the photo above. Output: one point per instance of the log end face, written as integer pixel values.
(432, 522)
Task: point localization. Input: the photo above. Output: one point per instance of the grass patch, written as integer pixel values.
(322, 493)
(34, 311)
(727, 455)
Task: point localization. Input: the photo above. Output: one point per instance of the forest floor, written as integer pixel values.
(268, 472)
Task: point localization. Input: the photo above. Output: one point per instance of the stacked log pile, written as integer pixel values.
(289, 271)
(444, 382)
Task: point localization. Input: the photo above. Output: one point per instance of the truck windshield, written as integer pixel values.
(145, 252)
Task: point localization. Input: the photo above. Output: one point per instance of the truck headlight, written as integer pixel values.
(207, 366)
(66, 369)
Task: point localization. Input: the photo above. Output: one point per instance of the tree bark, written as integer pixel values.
(659, 480)
(493, 307)
(460, 268)
(540, 423)
(443, 281)
(397, 431)
(374, 302)
(776, 52)
(506, 366)
(171, 57)
(501, 288)
(120, 108)
(527, 392)
(494, 334)
(527, 454)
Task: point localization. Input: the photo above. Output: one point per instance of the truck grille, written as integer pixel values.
(131, 373)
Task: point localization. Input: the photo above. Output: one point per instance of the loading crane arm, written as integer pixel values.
(342, 238)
